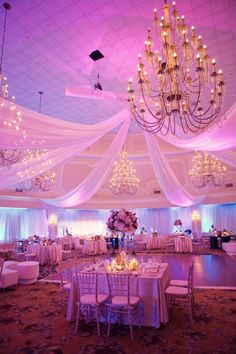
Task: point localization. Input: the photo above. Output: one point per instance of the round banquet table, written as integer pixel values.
(51, 254)
(183, 244)
(155, 242)
(94, 247)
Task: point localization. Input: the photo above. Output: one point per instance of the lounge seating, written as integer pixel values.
(229, 248)
(8, 277)
(28, 272)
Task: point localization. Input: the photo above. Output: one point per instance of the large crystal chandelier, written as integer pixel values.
(124, 179)
(206, 171)
(10, 118)
(38, 180)
(179, 89)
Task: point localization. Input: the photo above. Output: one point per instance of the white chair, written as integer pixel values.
(67, 249)
(8, 277)
(178, 295)
(89, 299)
(121, 302)
(180, 282)
(64, 271)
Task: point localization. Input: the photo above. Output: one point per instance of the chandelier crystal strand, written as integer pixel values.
(179, 90)
(124, 179)
(38, 180)
(207, 171)
(10, 117)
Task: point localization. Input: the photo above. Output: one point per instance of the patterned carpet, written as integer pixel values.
(31, 322)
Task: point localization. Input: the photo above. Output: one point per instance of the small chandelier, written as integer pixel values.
(10, 118)
(38, 181)
(207, 171)
(179, 90)
(124, 179)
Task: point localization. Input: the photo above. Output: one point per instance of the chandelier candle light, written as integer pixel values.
(206, 171)
(124, 179)
(38, 180)
(179, 89)
(10, 118)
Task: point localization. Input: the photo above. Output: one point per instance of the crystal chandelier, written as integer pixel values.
(10, 118)
(179, 90)
(206, 171)
(124, 179)
(37, 180)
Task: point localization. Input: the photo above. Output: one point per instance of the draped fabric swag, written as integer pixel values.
(66, 139)
(169, 183)
(93, 182)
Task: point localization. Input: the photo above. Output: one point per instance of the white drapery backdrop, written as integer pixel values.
(21, 223)
(16, 224)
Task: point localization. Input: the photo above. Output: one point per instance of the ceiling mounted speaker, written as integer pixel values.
(96, 55)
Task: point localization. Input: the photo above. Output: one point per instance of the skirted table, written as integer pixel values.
(156, 242)
(150, 287)
(94, 247)
(51, 254)
(183, 244)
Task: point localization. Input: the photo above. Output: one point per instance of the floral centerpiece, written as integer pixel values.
(122, 221)
(178, 222)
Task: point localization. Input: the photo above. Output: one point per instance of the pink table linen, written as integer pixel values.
(150, 288)
(156, 242)
(183, 244)
(51, 254)
(94, 247)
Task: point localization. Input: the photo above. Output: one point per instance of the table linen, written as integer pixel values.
(51, 254)
(156, 242)
(183, 244)
(150, 287)
(94, 247)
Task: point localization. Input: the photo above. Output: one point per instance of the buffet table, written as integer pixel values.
(183, 244)
(149, 286)
(51, 254)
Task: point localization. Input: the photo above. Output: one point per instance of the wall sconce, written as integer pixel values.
(195, 216)
(53, 220)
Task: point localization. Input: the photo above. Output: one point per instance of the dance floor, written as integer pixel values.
(210, 271)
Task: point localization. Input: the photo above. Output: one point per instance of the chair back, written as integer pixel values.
(119, 285)
(86, 283)
(190, 279)
(1, 267)
(64, 270)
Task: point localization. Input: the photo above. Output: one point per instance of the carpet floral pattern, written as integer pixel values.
(31, 322)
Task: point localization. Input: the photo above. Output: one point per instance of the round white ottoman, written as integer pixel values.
(11, 265)
(28, 272)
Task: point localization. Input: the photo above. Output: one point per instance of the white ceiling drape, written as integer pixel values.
(66, 139)
(169, 183)
(93, 182)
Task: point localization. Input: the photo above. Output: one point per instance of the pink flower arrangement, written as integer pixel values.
(178, 222)
(123, 221)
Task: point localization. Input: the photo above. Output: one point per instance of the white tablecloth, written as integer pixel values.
(150, 288)
(156, 242)
(94, 247)
(51, 254)
(183, 244)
